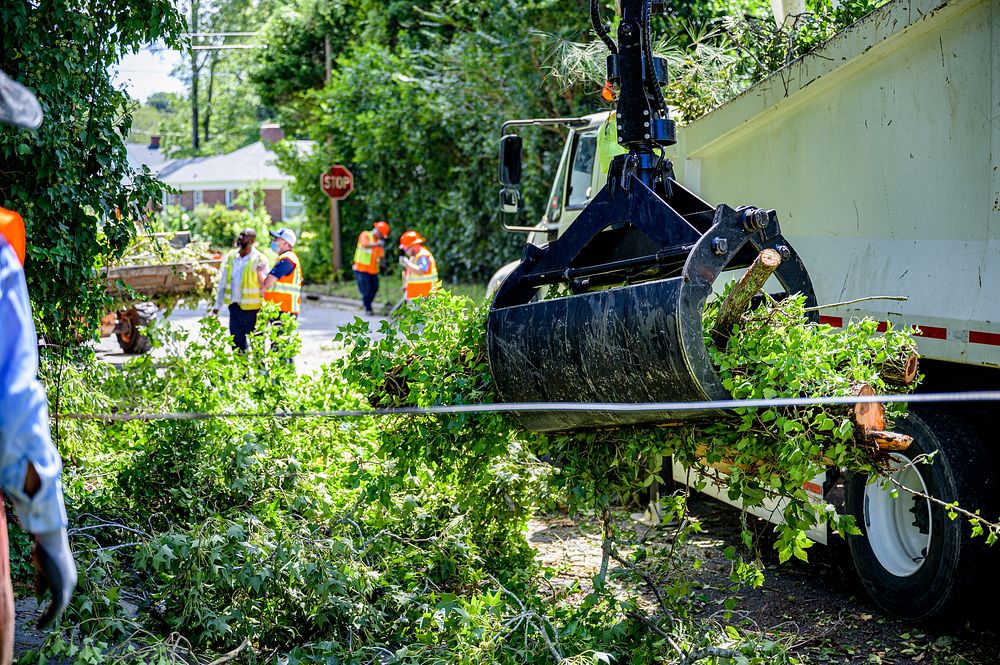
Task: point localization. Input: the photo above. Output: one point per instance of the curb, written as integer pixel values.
(349, 304)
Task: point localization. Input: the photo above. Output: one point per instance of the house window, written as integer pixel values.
(172, 199)
(291, 205)
(197, 197)
(231, 195)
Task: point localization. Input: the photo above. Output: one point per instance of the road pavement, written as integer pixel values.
(318, 323)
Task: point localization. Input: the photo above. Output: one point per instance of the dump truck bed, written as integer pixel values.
(880, 153)
(163, 279)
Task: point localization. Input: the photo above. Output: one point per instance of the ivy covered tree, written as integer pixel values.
(70, 179)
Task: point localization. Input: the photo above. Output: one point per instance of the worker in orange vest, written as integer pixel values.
(367, 257)
(283, 285)
(420, 275)
(30, 468)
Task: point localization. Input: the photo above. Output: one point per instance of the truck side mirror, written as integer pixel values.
(510, 161)
(510, 201)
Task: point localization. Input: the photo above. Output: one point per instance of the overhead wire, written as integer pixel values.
(531, 407)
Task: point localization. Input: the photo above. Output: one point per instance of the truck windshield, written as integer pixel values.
(578, 192)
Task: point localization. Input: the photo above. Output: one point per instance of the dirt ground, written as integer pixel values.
(817, 609)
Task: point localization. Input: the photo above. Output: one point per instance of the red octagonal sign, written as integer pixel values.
(337, 182)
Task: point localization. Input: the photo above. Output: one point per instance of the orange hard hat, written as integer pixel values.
(12, 228)
(410, 238)
(383, 228)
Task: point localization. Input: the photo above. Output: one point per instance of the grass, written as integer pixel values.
(390, 289)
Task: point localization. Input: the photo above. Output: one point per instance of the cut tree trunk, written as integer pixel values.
(869, 420)
(868, 416)
(743, 291)
(900, 371)
(890, 441)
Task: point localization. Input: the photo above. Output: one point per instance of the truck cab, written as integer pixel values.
(576, 182)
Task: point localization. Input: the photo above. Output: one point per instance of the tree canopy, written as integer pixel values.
(414, 104)
(68, 178)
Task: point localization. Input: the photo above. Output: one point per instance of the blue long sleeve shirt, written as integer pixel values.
(24, 413)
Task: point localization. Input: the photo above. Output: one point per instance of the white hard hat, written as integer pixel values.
(287, 235)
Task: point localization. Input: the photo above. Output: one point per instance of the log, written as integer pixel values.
(890, 441)
(900, 371)
(868, 416)
(739, 297)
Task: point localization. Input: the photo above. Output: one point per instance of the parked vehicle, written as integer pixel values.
(880, 153)
(162, 271)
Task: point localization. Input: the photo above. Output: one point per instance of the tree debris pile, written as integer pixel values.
(775, 351)
(159, 249)
(155, 266)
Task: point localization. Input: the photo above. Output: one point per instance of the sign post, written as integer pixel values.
(337, 183)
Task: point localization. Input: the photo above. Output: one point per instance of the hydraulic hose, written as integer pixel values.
(652, 84)
(595, 18)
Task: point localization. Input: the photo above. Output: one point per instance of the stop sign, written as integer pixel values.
(337, 182)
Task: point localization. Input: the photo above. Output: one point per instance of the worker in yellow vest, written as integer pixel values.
(420, 275)
(367, 257)
(283, 285)
(243, 270)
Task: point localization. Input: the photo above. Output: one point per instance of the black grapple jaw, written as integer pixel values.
(612, 310)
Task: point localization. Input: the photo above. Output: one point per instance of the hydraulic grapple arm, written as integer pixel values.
(639, 263)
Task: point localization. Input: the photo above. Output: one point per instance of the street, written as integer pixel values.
(318, 323)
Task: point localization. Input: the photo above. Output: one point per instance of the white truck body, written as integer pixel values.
(881, 154)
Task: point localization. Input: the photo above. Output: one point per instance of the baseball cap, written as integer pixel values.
(287, 235)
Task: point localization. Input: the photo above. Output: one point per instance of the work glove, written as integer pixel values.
(55, 571)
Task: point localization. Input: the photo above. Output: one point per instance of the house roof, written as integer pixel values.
(252, 163)
(139, 154)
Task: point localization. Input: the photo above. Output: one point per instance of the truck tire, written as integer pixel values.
(913, 560)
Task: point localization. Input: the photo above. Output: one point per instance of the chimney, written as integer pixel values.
(154, 142)
(271, 133)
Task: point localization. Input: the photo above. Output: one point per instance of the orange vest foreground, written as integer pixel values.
(287, 291)
(12, 228)
(419, 284)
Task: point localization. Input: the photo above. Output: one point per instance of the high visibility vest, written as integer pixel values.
(287, 291)
(419, 284)
(607, 143)
(366, 258)
(250, 284)
(12, 228)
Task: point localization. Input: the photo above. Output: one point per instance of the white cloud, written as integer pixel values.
(148, 71)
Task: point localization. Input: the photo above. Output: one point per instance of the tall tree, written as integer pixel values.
(208, 57)
(414, 103)
(69, 177)
(195, 58)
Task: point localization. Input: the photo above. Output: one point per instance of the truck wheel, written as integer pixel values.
(913, 560)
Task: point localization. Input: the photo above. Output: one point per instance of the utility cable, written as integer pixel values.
(534, 407)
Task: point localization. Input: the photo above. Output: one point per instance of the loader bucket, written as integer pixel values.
(638, 271)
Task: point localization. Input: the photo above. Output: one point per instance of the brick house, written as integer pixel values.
(220, 179)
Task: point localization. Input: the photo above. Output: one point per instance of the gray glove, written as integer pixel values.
(55, 571)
